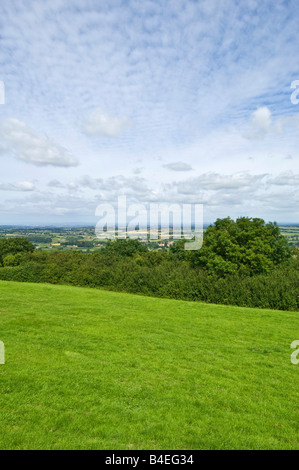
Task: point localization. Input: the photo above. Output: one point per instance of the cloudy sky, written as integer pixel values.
(175, 101)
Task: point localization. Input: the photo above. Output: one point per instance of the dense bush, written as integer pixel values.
(161, 275)
(244, 263)
(14, 246)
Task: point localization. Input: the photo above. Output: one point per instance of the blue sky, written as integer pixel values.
(162, 101)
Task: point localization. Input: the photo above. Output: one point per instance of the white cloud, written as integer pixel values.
(89, 182)
(216, 181)
(72, 186)
(100, 123)
(25, 145)
(55, 184)
(261, 119)
(178, 166)
(287, 178)
(22, 186)
(260, 123)
(187, 74)
(222, 195)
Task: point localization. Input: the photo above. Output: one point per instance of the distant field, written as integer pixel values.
(84, 238)
(90, 369)
(291, 232)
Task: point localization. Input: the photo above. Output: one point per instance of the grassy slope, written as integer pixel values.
(102, 370)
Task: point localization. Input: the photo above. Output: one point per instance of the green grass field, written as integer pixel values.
(91, 369)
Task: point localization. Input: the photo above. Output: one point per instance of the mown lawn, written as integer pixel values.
(91, 369)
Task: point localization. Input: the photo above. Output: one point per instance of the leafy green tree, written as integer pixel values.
(124, 247)
(13, 246)
(177, 250)
(13, 260)
(247, 246)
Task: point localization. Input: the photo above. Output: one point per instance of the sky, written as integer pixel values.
(161, 101)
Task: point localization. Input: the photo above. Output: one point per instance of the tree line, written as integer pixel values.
(244, 262)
